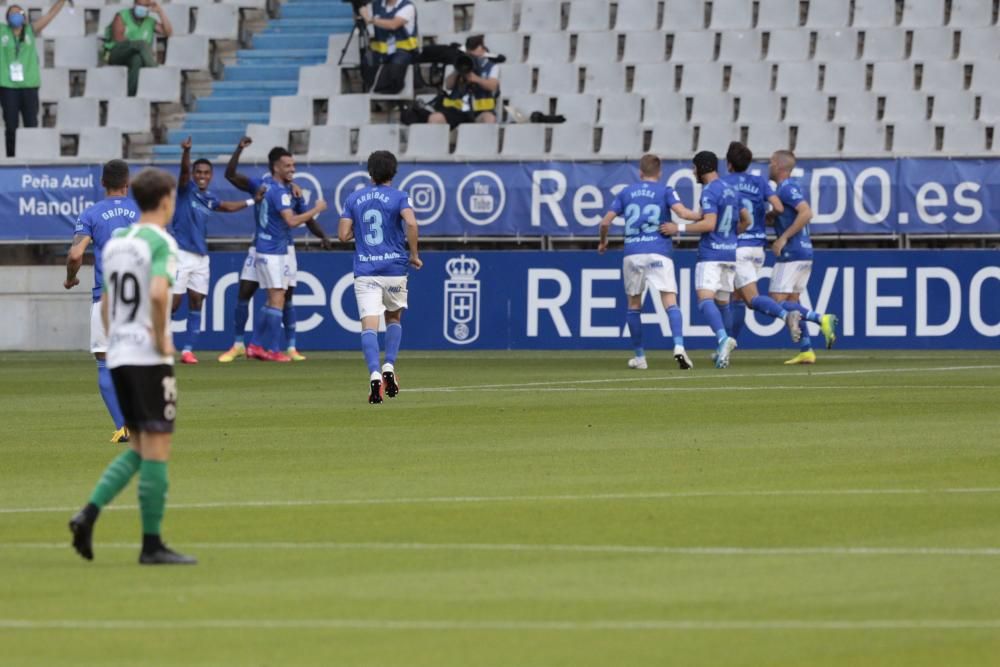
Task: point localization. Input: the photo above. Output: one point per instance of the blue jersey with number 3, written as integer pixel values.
(800, 246)
(645, 206)
(380, 247)
(753, 191)
(720, 198)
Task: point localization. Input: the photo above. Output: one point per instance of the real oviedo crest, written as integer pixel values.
(461, 301)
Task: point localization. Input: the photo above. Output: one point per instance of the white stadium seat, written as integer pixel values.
(373, 138)
(645, 47)
(509, 44)
(904, 105)
(129, 114)
(76, 53)
(731, 15)
(106, 82)
(862, 139)
(828, 14)
(650, 77)
(711, 107)
(672, 140)
(766, 137)
(556, 79)
(159, 84)
(65, 24)
(857, 107)
(980, 43)
(55, 84)
(188, 53)
(836, 45)
(624, 108)
(693, 47)
(923, 14)
(526, 141)
(494, 16)
(796, 77)
(715, 136)
(436, 18)
(893, 76)
(884, 44)
(527, 103)
(953, 108)
(596, 48)
(740, 46)
(637, 15)
(750, 78)
(775, 14)
(817, 140)
(759, 108)
(701, 78)
(578, 108)
(351, 110)
(265, 137)
(218, 22)
(604, 78)
(76, 113)
(874, 13)
(37, 143)
(846, 76)
(319, 80)
(540, 17)
(683, 15)
(970, 13)
(573, 140)
(965, 138)
(548, 47)
(932, 44)
(809, 106)
(100, 144)
(291, 111)
(477, 140)
(664, 106)
(622, 139)
(179, 15)
(329, 142)
(589, 15)
(942, 75)
(516, 78)
(913, 138)
(788, 45)
(427, 141)
(989, 111)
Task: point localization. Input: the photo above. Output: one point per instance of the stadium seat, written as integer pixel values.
(672, 140)
(373, 138)
(100, 144)
(188, 53)
(477, 140)
(749, 78)
(548, 48)
(37, 143)
(970, 14)
(350, 110)
(893, 76)
(701, 78)
(980, 43)
(604, 78)
(509, 44)
(405, 94)
(817, 140)
(693, 47)
(75, 53)
(845, 76)
(953, 108)
(624, 108)
(731, 15)
(989, 111)
(740, 46)
(329, 142)
(541, 17)
(573, 140)
(335, 45)
(788, 46)
(797, 77)
(218, 22)
(965, 139)
(828, 14)
(596, 48)
(948, 75)
(589, 15)
(65, 24)
(683, 15)
(664, 106)
(494, 16)
(525, 141)
(558, 79)
(516, 78)
(637, 15)
(292, 111)
(913, 138)
(983, 76)
(179, 15)
(836, 45)
(904, 105)
(55, 84)
(578, 108)
(645, 47)
(775, 14)
(856, 107)
(129, 114)
(932, 44)
(247, 4)
(106, 82)
(159, 84)
(76, 113)
(864, 139)
(528, 103)
(711, 107)
(436, 18)
(621, 139)
(715, 136)
(874, 14)
(882, 44)
(427, 141)
(319, 81)
(759, 108)
(765, 138)
(807, 106)
(265, 137)
(923, 13)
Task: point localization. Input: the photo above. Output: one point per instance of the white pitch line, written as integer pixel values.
(610, 549)
(443, 500)
(792, 387)
(690, 376)
(501, 625)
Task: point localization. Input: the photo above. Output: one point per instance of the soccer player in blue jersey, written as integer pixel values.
(195, 203)
(380, 221)
(793, 252)
(96, 226)
(648, 253)
(248, 277)
(755, 193)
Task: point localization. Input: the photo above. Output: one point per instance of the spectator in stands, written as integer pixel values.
(472, 96)
(130, 40)
(20, 73)
(395, 22)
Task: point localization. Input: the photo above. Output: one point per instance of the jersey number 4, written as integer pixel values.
(125, 291)
(373, 234)
(650, 215)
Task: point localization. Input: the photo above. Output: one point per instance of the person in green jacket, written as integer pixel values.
(131, 38)
(20, 73)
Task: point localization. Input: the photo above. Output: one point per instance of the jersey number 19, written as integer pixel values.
(124, 290)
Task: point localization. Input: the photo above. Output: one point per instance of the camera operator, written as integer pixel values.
(473, 88)
(396, 40)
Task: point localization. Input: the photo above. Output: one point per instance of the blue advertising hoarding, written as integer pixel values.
(905, 196)
(899, 299)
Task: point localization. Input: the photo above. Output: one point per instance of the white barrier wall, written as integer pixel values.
(38, 314)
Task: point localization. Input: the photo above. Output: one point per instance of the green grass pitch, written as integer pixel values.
(549, 509)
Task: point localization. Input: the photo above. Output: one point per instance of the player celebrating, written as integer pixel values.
(646, 205)
(374, 218)
(96, 225)
(248, 277)
(139, 267)
(195, 202)
(793, 254)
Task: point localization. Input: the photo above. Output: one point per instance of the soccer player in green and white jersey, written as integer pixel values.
(139, 267)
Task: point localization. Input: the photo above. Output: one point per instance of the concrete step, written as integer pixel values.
(234, 104)
(207, 137)
(301, 40)
(216, 121)
(261, 73)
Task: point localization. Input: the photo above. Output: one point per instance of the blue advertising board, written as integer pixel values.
(933, 299)
(905, 196)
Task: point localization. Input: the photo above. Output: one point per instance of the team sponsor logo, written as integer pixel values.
(461, 300)
(481, 197)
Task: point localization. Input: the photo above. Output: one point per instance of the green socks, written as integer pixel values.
(115, 478)
(152, 495)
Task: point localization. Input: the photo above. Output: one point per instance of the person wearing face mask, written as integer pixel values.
(20, 73)
(473, 95)
(130, 40)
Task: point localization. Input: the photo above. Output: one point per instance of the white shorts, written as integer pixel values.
(249, 271)
(749, 264)
(272, 271)
(192, 273)
(714, 276)
(98, 335)
(791, 277)
(377, 294)
(657, 271)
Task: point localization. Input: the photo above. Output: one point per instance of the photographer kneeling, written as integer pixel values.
(473, 88)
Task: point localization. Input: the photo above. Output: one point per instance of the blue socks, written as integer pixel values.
(369, 345)
(241, 317)
(107, 387)
(768, 306)
(739, 309)
(289, 319)
(676, 320)
(807, 315)
(727, 316)
(393, 337)
(714, 317)
(193, 329)
(634, 319)
(268, 330)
